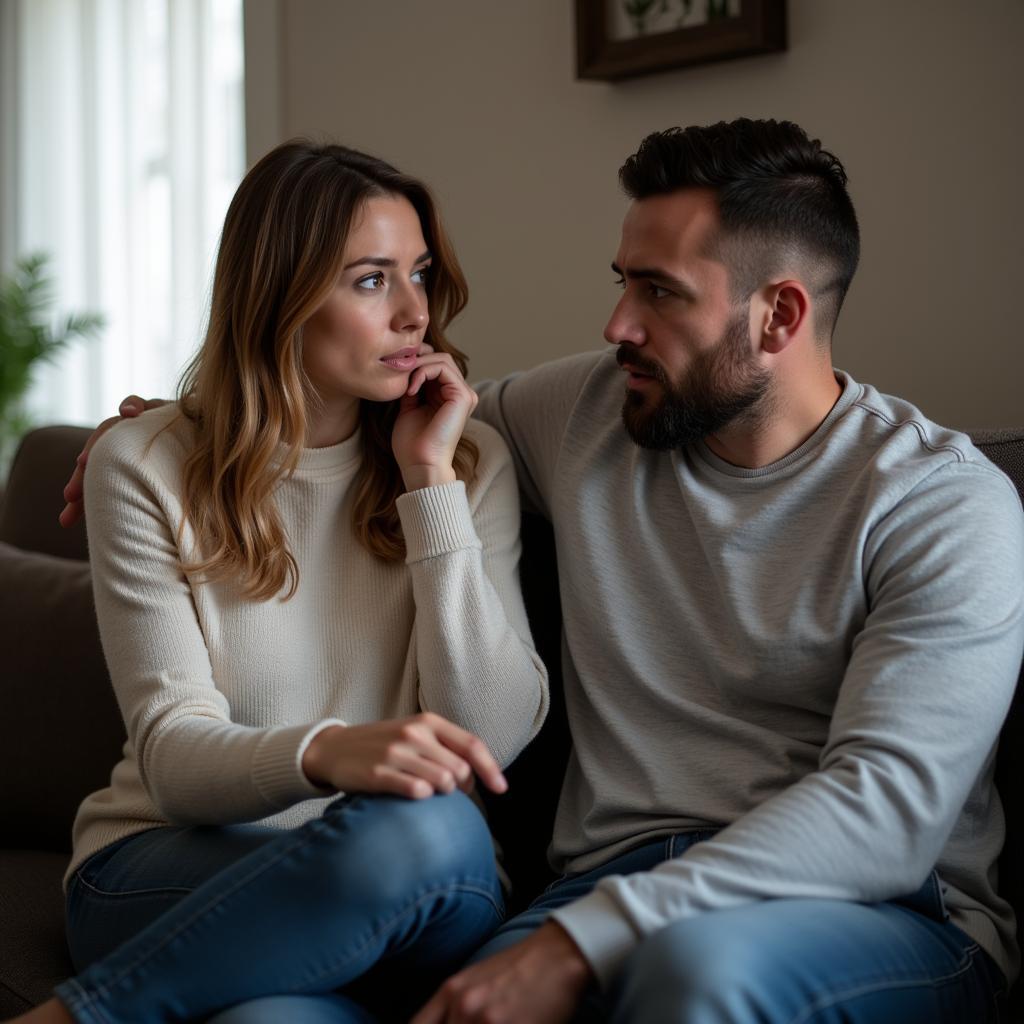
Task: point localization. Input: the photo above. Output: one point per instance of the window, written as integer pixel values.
(122, 145)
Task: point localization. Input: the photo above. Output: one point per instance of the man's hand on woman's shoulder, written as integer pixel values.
(74, 490)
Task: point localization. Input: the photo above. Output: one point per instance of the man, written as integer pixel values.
(793, 626)
(785, 648)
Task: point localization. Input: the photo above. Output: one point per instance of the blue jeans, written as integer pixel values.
(249, 923)
(784, 961)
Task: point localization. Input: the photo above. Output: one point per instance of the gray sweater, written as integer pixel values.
(815, 656)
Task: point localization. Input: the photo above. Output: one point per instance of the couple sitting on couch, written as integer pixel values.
(792, 611)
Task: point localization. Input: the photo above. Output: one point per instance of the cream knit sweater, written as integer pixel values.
(222, 695)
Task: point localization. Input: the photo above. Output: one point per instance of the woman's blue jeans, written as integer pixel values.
(355, 916)
(784, 961)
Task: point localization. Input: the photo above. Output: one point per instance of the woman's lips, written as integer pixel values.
(403, 359)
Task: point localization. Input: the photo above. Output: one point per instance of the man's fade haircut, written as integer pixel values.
(781, 197)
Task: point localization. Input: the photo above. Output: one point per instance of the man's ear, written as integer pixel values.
(785, 313)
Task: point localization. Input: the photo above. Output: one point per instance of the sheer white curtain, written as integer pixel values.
(121, 147)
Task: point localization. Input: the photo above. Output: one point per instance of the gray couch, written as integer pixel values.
(61, 731)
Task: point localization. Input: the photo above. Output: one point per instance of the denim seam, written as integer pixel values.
(80, 1002)
(557, 881)
(404, 912)
(865, 987)
(133, 892)
(692, 836)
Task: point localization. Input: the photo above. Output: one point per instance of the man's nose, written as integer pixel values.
(623, 325)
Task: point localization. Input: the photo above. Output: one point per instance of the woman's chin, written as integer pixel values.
(389, 391)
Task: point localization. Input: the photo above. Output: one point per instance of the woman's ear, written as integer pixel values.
(786, 311)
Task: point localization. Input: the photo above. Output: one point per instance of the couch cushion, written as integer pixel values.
(33, 496)
(523, 818)
(62, 731)
(33, 952)
(1006, 449)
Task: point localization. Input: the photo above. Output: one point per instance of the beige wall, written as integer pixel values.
(921, 99)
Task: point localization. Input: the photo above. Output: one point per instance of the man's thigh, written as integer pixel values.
(573, 887)
(808, 962)
(593, 1007)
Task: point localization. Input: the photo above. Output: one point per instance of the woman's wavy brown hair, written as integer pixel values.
(246, 391)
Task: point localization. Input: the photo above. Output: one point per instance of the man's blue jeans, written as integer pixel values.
(356, 915)
(784, 961)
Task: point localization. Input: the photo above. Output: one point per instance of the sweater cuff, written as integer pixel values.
(604, 937)
(436, 521)
(277, 764)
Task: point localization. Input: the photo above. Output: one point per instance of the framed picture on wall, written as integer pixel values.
(623, 38)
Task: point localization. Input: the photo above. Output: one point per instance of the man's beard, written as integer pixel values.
(721, 385)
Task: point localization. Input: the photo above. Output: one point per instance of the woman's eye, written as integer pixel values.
(371, 283)
(421, 276)
(621, 282)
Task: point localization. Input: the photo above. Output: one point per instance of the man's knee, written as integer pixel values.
(774, 960)
(693, 970)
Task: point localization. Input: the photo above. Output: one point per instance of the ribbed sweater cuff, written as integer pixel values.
(277, 764)
(597, 926)
(436, 520)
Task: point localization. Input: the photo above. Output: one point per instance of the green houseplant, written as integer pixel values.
(30, 333)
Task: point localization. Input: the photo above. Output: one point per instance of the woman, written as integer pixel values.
(305, 577)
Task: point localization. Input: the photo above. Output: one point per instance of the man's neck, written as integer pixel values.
(792, 414)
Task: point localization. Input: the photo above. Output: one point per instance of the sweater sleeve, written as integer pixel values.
(197, 766)
(476, 660)
(531, 410)
(928, 683)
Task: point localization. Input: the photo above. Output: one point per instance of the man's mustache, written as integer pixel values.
(628, 354)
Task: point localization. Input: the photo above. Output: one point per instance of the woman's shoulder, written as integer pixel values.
(154, 443)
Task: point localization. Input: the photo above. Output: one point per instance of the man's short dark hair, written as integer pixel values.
(781, 198)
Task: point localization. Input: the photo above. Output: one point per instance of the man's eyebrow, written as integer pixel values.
(381, 261)
(656, 275)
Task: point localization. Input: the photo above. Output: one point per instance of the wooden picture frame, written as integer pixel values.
(759, 27)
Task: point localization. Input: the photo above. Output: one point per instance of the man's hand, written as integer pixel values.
(74, 490)
(538, 981)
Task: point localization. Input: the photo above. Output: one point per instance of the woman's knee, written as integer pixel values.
(391, 840)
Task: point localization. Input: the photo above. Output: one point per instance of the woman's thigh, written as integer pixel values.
(129, 884)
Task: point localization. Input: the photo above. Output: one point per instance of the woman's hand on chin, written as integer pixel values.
(411, 757)
(432, 416)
